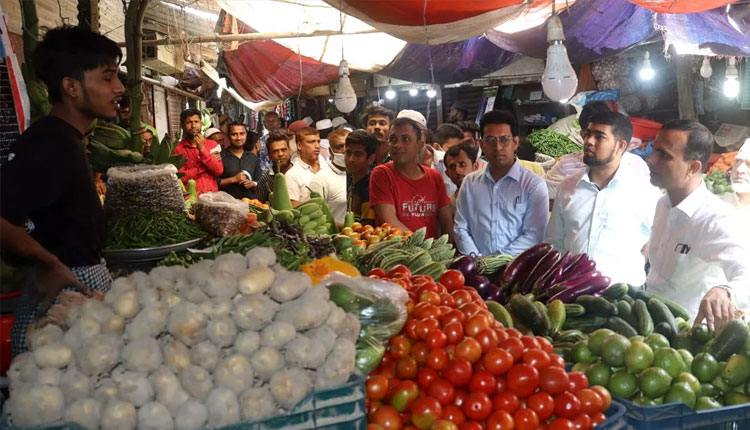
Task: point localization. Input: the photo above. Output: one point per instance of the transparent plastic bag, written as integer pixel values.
(220, 214)
(143, 186)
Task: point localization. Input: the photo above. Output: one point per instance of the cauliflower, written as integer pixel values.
(84, 329)
(22, 368)
(256, 280)
(289, 386)
(36, 405)
(48, 334)
(141, 280)
(303, 313)
(222, 331)
(96, 309)
(235, 373)
(247, 342)
(115, 324)
(260, 257)
(192, 415)
(186, 323)
(154, 416)
(74, 384)
(135, 387)
(163, 277)
(323, 335)
(199, 272)
(230, 263)
(254, 312)
(105, 391)
(223, 408)
(214, 308)
(85, 412)
(350, 328)
(289, 285)
(339, 365)
(303, 352)
(143, 355)
(123, 297)
(49, 376)
(266, 361)
(149, 322)
(221, 285)
(53, 355)
(193, 293)
(197, 382)
(205, 355)
(257, 403)
(177, 356)
(169, 392)
(277, 334)
(118, 415)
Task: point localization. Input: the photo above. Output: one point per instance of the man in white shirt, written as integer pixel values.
(331, 183)
(299, 176)
(606, 211)
(740, 178)
(699, 249)
(446, 136)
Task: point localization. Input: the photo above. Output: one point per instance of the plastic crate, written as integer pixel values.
(673, 416)
(340, 408)
(615, 418)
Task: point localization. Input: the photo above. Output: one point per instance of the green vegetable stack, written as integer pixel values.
(717, 183)
(552, 143)
(316, 217)
(146, 229)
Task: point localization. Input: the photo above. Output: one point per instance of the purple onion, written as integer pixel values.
(466, 265)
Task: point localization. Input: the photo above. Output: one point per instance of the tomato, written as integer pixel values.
(374, 427)
(451, 350)
(483, 382)
(502, 335)
(523, 380)
(470, 349)
(458, 372)
(447, 300)
(425, 286)
(578, 381)
(477, 406)
(389, 372)
(443, 425)
(430, 297)
(425, 411)
(387, 417)
(376, 387)
(497, 361)
(513, 332)
(399, 346)
(425, 310)
(487, 338)
(561, 424)
(554, 380)
(591, 401)
(502, 384)
(442, 391)
(426, 326)
(454, 413)
(404, 396)
(436, 339)
(419, 351)
(399, 270)
(469, 309)
(411, 327)
(505, 401)
(526, 419)
(530, 342)
(444, 310)
(392, 386)
(460, 397)
(545, 345)
(406, 368)
(567, 405)
(536, 358)
(500, 420)
(452, 279)
(471, 425)
(556, 361)
(453, 316)
(461, 297)
(437, 359)
(583, 422)
(380, 273)
(543, 404)
(454, 332)
(514, 346)
(598, 418)
(605, 395)
(426, 376)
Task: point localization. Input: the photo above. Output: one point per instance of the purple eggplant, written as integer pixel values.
(580, 269)
(540, 269)
(574, 262)
(592, 286)
(465, 264)
(578, 280)
(523, 263)
(479, 283)
(552, 277)
(495, 294)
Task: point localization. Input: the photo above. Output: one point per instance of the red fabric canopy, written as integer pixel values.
(411, 12)
(681, 6)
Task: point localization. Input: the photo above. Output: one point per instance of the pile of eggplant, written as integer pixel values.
(548, 275)
(468, 265)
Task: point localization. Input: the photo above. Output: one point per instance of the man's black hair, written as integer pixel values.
(418, 130)
(70, 52)
(187, 113)
(373, 110)
(499, 117)
(468, 126)
(455, 150)
(700, 142)
(591, 108)
(364, 138)
(275, 137)
(235, 124)
(447, 131)
(622, 128)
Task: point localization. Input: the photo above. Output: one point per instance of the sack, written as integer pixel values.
(143, 186)
(220, 214)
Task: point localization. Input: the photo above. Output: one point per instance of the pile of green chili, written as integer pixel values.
(552, 143)
(148, 228)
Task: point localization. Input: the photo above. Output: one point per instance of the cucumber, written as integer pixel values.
(584, 324)
(619, 325)
(500, 313)
(731, 340)
(572, 336)
(645, 323)
(528, 314)
(556, 312)
(661, 313)
(627, 298)
(674, 308)
(546, 321)
(597, 306)
(664, 329)
(616, 290)
(625, 312)
(573, 310)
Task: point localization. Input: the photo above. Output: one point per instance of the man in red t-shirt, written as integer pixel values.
(203, 159)
(405, 193)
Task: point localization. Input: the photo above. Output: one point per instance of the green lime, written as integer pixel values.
(642, 400)
(720, 385)
(682, 340)
(580, 367)
(670, 360)
(582, 353)
(613, 350)
(701, 334)
(681, 392)
(654, 382)
(623, 384)
(708, 390)
(638, 357)
(656, 341)
(596, 338)
(598, 374)
(637, 338)
(705, 367)
(694, 383)
(706, 402)
(733, 398)
(687, 358)
(737, 370)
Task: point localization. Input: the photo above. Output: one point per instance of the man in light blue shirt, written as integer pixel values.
(502, 207)
(607, 210)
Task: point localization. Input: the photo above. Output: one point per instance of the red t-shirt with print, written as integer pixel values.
(416, 201)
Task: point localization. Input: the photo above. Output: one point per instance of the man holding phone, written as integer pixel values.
(203, 155)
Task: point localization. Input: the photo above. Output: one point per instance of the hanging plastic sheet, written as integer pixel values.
(705, 33)
(681, 6)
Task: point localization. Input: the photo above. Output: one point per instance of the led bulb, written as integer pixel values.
(706, 70)
(431, 93)
(559, 80)
(413, 92)
(219, 91)
(346, 98)
(390, 94)
(646, 72)
(732, 85)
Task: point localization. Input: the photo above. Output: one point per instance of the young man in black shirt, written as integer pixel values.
(241, 167)
(51, 215)
(360, 153)
(277, 146)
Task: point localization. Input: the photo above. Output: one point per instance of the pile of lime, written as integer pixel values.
(717, 182)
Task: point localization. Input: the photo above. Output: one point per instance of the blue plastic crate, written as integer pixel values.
(340, 408)
(615, 418)
(674, 416)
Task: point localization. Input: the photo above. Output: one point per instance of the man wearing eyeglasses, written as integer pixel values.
(502, 207)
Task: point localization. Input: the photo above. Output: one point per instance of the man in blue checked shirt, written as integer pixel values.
(502, 207)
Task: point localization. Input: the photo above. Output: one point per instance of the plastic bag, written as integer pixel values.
(143, 186)
(220, 214)
(380, 307)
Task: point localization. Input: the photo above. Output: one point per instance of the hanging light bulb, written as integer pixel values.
(732, 85)
(346, 98)
(431, 93)
(646, 72)
(413, 92)
(559, 80)
(390, 94)
(706, 69)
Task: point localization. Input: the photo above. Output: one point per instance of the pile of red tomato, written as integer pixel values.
(453, 367)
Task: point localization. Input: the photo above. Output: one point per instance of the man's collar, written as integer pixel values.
(690, 204)
(514, 172)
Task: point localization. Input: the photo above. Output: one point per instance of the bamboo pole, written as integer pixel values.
(246, 37)
(134, 38)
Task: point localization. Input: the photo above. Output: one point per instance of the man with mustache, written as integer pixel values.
(740, 178)
(203, 155)
(459, 161)
(607, 210)
(699, 249)
(298, 178)
(377, 120)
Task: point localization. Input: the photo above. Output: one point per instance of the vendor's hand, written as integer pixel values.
(717, 308)
(199, 142)
(238, 178)
(217, 156)
(50, 279)
(248, 184)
